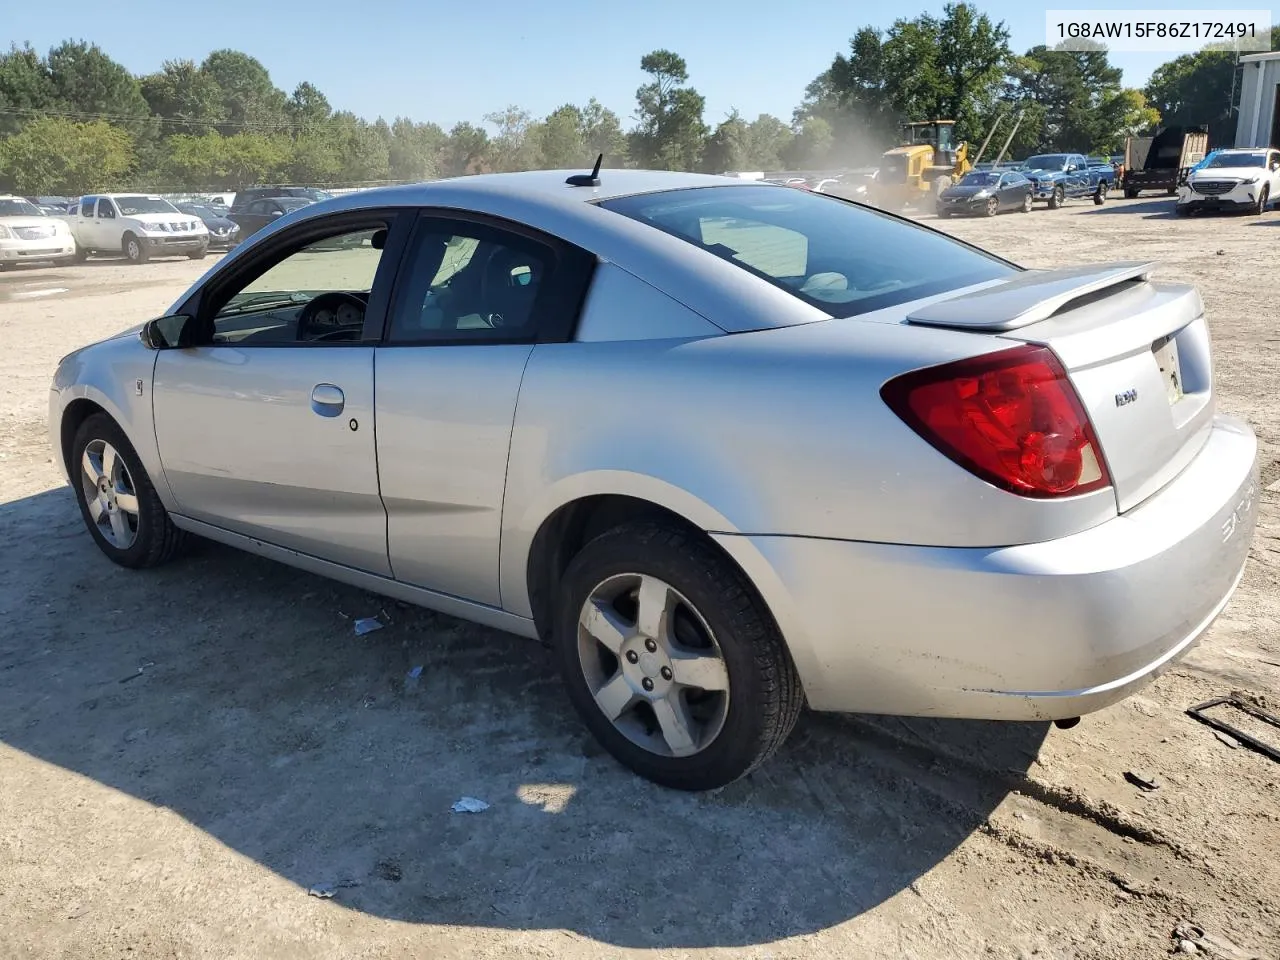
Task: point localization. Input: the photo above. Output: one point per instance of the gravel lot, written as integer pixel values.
(184, 752)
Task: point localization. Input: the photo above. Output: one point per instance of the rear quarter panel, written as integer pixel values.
(778, 432)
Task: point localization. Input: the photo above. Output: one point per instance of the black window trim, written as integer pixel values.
(204, 302)
(561, 297)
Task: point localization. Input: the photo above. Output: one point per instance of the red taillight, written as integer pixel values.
(1012, 418)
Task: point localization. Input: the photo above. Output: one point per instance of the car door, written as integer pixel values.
(1005, 193)
(106, 232)
(1273, 173)
(266, 428)
(475, 296)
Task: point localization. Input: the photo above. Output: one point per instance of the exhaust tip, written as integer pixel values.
(1066, 724)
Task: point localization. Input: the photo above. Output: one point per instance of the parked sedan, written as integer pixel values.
(258, 213)
(986, 192)
(728, 448)
(224, 233)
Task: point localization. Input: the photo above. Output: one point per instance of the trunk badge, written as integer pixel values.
(1126, 398)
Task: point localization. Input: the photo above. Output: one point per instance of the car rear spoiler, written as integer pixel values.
(1033, 296)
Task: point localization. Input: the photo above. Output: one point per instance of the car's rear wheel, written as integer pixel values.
(1027, 203)
(134, 250)
(671, 658)
(119, 504)
(993, 207)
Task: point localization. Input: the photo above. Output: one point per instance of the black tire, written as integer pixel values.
(944, 214)
(1057, 198)
(1181, 210)
(158, 540)
(81, 255)
(1100, 197)
(135, 251)
(1130, 193)
(765, 697)
(198, 255)
(1028, 202)
(992, 207)
(1264, 195)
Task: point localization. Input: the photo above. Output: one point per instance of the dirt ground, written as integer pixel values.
(184, 752)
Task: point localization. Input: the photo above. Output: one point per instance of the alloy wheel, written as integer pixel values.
(109, 493)
(653, 665)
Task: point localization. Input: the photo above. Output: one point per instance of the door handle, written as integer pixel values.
(327, 400)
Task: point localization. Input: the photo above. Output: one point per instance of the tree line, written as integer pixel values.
(74, 120)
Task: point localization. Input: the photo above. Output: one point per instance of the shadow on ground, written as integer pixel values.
(1148, 208)
(233, 691)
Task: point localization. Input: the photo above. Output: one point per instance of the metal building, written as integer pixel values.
(1258, 122)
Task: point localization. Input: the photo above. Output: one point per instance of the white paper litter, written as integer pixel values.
(470, 805)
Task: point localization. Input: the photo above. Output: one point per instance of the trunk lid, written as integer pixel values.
(1137, 352)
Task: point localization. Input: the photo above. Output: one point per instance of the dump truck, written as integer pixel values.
(1162, 162)
(925, 163)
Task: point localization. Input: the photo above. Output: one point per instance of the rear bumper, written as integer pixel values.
(1034, 632)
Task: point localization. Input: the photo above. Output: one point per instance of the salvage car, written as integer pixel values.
(727, 448)
(1056, 177)
(986, 193)
(1243, 180)
(138, 225)
(29, 235)
(224, 233)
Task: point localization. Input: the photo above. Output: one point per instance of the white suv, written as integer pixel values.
(138, 225)
(28, 235)
(1245, 180)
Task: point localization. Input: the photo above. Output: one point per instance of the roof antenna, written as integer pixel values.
(591, 179)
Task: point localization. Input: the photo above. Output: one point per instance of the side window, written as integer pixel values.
(774, 251)
(257, 207)
(86, 207)
(105, 209)
(466, 281)
(316, 292)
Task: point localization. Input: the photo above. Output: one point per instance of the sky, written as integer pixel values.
(448, 62)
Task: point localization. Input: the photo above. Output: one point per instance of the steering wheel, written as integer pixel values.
(333, 300)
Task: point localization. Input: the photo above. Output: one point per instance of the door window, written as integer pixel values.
(105, 210)
(471, 282)
(86, 207)
(317, 293)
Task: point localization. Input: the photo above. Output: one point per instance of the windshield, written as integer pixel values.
(132, 206)
(293, 203)
(197, 210)
(1047, 161)
(19, 208)
(837, 256)
(980, 180)
(1238, 160)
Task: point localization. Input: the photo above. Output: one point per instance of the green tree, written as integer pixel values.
(770, 141)
(728, 149)
(558, 138)
(669, 134)
(1070, 87)
(308, 107)
(465, 151)
(513, 148)
(184, 96)
(26, 88)
(91, 84)
(810, 148)
(602, 134)
(414, 152)
(53, 155)
(1125, 113)
(1197, 88)
(249, 99)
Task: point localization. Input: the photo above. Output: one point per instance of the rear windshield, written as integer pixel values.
(843, 258)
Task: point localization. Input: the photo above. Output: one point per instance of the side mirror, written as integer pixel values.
(172, 333)
(277, 213)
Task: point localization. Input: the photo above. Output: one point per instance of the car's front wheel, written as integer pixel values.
(1100, 196)
(993, 207)
(672, 659)
(1264, 195)
(1057, 197)
(134, 250)
(119, 504)
(1027, 203)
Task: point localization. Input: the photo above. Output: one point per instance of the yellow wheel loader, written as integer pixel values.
(925, 164)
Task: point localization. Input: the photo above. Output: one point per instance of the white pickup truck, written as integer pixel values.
(137, 225)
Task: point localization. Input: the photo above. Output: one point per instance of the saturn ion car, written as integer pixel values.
(729, 448)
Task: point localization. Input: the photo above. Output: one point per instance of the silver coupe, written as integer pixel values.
(730, 448)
